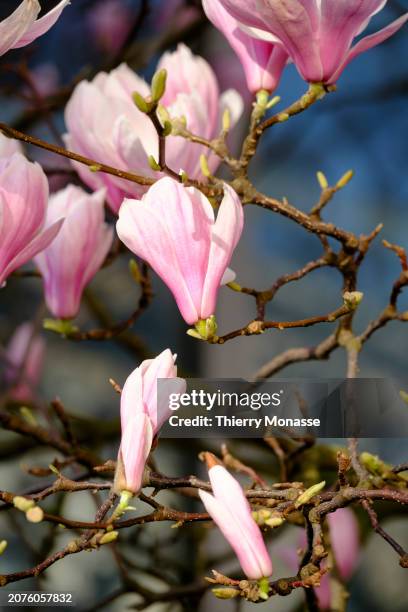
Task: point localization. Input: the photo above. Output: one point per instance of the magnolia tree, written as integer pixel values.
(143, 186)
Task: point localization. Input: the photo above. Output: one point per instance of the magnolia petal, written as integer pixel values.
(369, 42)
(13, 27)
(38, 244)
(136, 444)
(42, 25)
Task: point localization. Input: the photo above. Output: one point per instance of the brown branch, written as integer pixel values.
(15, 423)
(295, 355)
(372, 515)
(258, 327)
(115, 330)
(97, 166)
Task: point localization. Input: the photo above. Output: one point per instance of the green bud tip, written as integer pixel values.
(3, 546)
(22, 503)
(263, 585)
(60, 326)
(108, 538)
(141, 103)
(345, 179)
(204, 166)
(352, 298)
(307, 495)
(153, 164)
(159, 85)
(226, 593)
(205, 329)
(322, 180)
(262, 97)
(275, 100)
(234, 286)
(28, 415)
(226, 120)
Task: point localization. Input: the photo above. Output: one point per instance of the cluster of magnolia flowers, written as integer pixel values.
(169, 225)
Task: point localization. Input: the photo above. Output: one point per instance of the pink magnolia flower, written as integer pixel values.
(177, 13)
(263, 62)
(104, 123)
(317, 34)
(142, 414)
(230, 510)
(345, 543)
(8, 146)
(22, 26)
(110, 21)
(174, 230)
(77, 253)
(24, 362)
(23, 205)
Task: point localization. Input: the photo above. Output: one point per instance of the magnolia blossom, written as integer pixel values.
(24, 361)
(79, 250)
(110, 22)
(317, 34)
(173, 228)
(263, 61)
(22, 26)
(142, 414)
(345, 543)
(23, 206)
(104, 123)
(230, 510)
(8, 146)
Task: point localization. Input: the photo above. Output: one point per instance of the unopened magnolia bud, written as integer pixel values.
(108, 538)
(22, 503)
(35, 515)
(345, 179)
(226, 593)
(322, 180)
(3, 546)
(159, 85)
(352, 298)
(305, 497)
